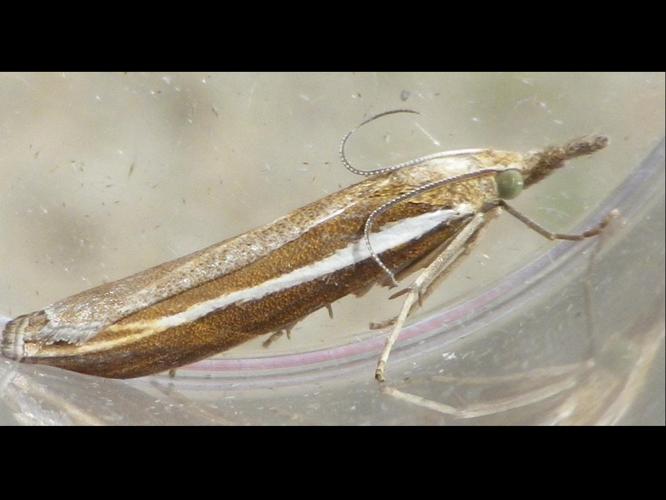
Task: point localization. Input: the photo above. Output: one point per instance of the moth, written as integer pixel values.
(425, 213)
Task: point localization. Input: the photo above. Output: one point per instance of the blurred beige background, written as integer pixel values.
(106, 174)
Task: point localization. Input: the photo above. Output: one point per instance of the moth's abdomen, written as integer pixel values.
(11, 337)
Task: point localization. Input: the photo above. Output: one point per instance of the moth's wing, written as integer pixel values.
(80, 317)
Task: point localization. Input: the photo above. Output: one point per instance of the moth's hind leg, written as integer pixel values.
(564, 380)
(276, 335)
(451, 252)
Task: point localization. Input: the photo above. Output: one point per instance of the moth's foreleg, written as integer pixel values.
(592, 232)
(596, 230)
(442, 262)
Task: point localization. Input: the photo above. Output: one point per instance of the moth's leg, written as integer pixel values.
(613, 214)
(588, 298)
(380, 325)
(535, 385)
(528, 397)
(415, 293)
(421, 264)
(595, 231)
(571, 381)
(287, 329)
(276, 335)
(484, 409)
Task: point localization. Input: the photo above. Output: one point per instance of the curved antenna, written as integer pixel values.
(391, 168)
(410, 194)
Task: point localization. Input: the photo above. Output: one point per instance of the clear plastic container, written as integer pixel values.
(109, 174)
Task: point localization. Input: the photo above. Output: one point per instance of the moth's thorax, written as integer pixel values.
(476, 192)
(500, 160)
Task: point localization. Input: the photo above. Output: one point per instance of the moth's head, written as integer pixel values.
(540, 164)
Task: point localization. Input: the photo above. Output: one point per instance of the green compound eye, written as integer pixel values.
(509, 184)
